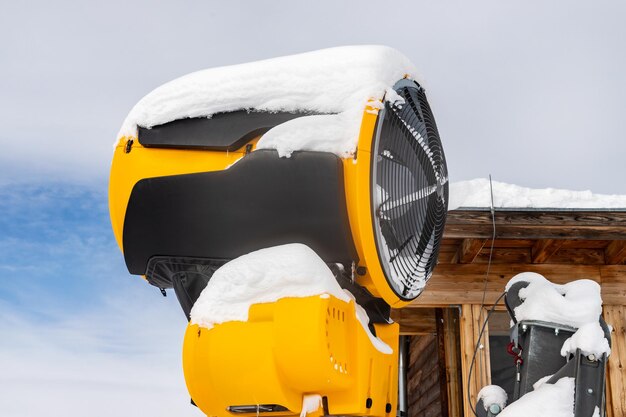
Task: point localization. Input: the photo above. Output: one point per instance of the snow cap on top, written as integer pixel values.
(477, 193)
(335, 80)
(573, 304)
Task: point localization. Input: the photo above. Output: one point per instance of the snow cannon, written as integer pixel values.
(561, 345)
(336, 149)
(288, 350)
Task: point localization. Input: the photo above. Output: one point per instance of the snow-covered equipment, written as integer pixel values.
(335, 149)
(557, 335)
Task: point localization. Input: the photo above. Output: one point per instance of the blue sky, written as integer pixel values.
(532, 93)
(76, 329)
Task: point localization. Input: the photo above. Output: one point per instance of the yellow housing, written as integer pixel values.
(288, 349)
(130, 167)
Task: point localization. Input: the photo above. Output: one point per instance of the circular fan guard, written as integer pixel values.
(410, 190)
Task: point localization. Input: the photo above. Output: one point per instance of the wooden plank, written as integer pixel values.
(522, 231)
(585, 244)
(616, 370)
(544, 249)
(471, 324)
(441, 356)
(421, 345)
(615, 252)
(464, 283)
(469, 249)
(415, 321)
(504, 255)
(511, 243)
(448, 254)
(613, 284)
(538, 217)
(451, 336)
(578, 256)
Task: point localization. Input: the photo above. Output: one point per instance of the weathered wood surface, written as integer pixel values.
(472, 318)
(423, 383)
(476, 224)
(441, 361)
(452, 344)
(616, 370)
(463, 283)
(415, 321)
(544, 249)
(615, 252)
(469, 249)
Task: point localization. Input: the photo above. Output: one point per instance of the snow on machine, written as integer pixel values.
(290, 204)
(336, 150)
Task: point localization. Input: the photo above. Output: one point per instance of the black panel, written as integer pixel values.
(261, 201)
(541, 353)
(222, 132)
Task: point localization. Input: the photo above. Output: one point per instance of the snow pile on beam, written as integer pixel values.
(265, 276)
(336, 83)
(477, 193)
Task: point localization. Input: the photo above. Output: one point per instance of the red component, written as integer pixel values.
(515, 351)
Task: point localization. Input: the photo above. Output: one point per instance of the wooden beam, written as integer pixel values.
(615, 252)
(415, 321)
(616, 370)
(504, 255)
(544, 249)
(469, 250)
(451, 340)
(463, 284)
(476, 224)
(441, 361)
(613, 282)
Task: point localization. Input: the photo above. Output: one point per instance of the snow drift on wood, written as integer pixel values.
(336, 82)
(265, 276)
(477, 193)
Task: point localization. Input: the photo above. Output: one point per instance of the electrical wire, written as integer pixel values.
(482, 302)
(469, 375)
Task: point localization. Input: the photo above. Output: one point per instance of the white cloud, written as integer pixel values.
(122, 358)
(530, 92)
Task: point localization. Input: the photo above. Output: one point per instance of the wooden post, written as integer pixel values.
(449, 333)
(616, 371)
(471, 323)
(441, 351)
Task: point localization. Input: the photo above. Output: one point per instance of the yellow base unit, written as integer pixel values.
(288, 349)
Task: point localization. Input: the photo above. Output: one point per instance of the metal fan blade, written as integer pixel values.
(420, 146)
(417, 195)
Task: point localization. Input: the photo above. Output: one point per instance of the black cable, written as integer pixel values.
(480, 335)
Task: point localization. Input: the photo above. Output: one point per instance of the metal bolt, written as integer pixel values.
(589, 391)
(524, 328)
(592, 357)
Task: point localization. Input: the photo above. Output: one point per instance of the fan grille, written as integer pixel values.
(410, 190)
